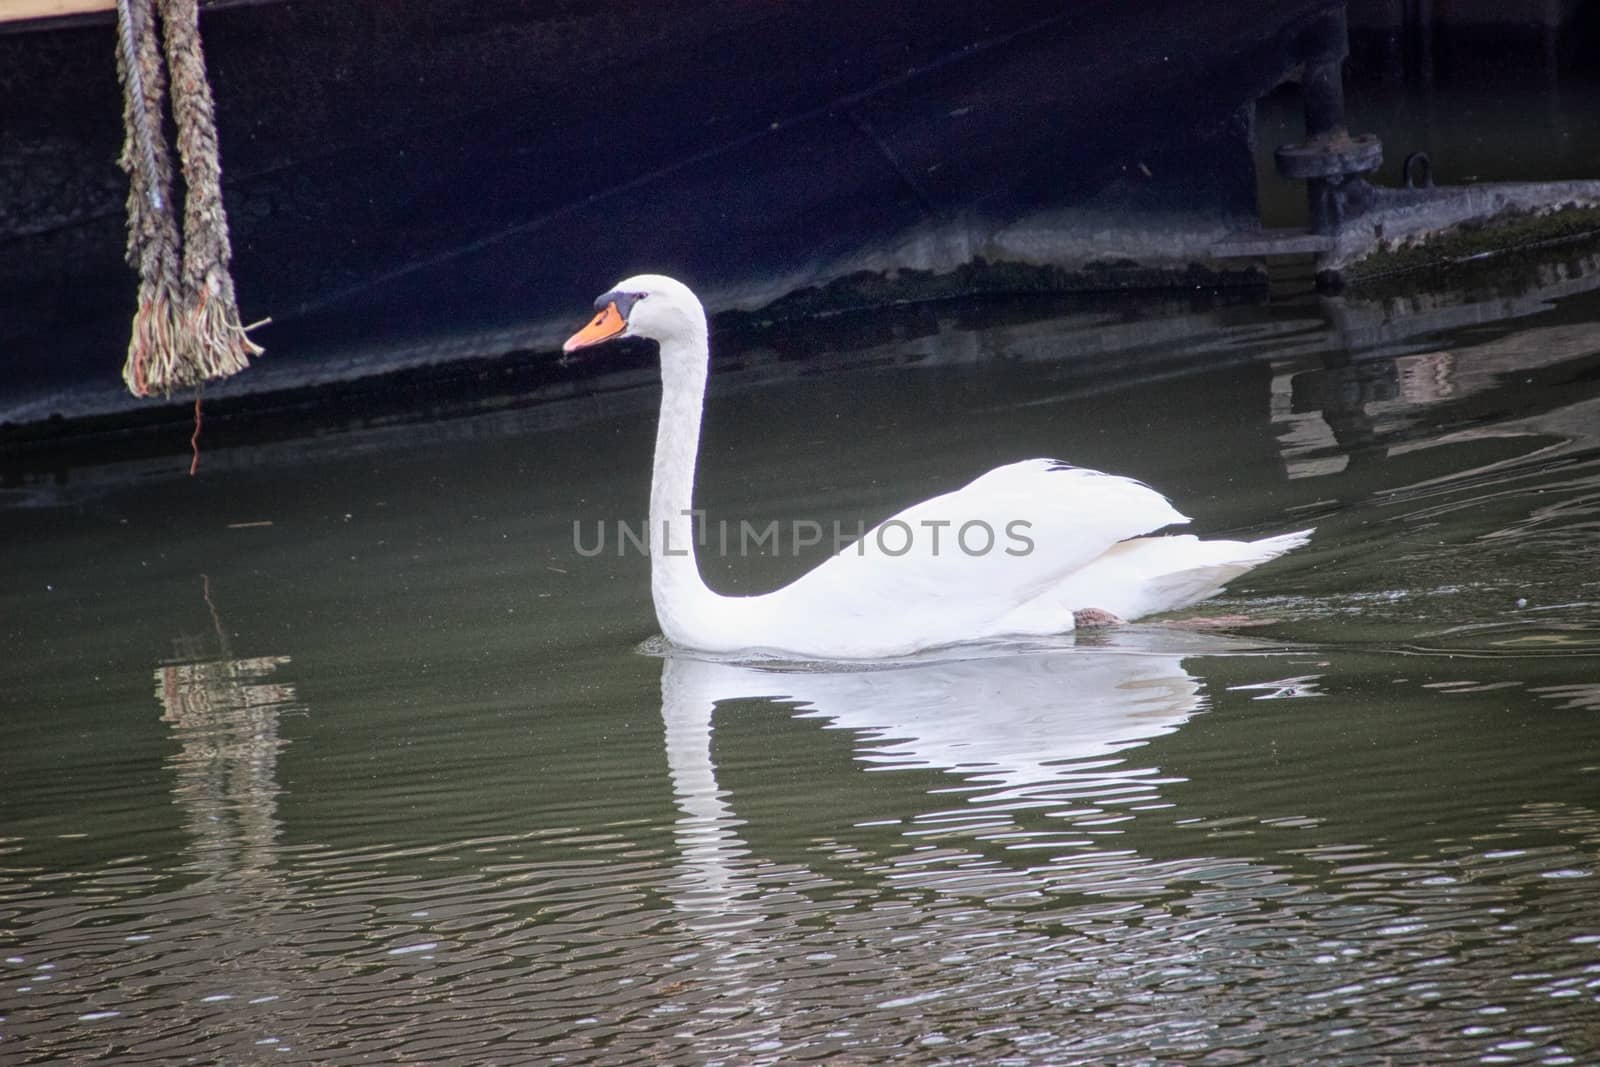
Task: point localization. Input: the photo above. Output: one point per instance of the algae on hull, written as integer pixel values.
(1512, 234)
(1434, 229)
(869, 289)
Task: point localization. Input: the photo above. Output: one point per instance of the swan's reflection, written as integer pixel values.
(1041, 726)
(1021, 727)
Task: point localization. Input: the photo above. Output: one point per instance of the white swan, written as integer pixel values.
(1045, 541)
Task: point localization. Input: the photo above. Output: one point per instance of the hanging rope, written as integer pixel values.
(186, 329)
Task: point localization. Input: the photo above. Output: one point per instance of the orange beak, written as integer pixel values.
(606, 325)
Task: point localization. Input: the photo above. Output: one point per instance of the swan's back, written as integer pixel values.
(952, 568)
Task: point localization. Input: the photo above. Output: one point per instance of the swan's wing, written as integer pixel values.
(939, 570)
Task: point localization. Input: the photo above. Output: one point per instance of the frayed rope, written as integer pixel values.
(186, 328)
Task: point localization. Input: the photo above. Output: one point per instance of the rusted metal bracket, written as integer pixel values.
(1351, 219)
(1331, 161)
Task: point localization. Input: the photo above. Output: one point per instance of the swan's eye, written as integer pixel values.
(622, 301)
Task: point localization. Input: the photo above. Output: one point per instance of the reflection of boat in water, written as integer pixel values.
(1383, 387)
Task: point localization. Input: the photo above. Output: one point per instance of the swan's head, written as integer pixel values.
(646, 305)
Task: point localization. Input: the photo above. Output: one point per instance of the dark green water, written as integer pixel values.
(341, 752)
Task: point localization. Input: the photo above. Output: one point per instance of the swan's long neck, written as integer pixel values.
(675, 584)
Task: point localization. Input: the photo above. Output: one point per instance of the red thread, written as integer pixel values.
(194, 439)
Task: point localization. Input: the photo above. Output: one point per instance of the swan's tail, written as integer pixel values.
(1273, 547)
(1152, 575)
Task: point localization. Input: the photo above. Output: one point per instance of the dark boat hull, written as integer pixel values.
(411, 182)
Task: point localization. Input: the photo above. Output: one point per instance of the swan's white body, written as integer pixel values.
(1063, 538)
